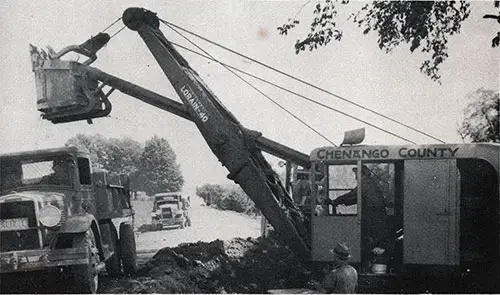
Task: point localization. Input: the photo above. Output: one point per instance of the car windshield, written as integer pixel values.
(17, 172)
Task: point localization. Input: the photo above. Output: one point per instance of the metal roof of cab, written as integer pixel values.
(487, 151)
(47, 152)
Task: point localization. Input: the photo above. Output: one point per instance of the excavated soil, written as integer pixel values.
(234, 266)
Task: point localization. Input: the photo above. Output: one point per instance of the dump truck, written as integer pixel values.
(170, 210)
(58, 216)
(440, 201)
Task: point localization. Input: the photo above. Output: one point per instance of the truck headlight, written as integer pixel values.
(49, 216)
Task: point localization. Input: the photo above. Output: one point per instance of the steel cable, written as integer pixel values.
(305, 82)
(294, 93)
(230, 69)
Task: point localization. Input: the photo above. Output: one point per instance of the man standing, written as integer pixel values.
(342, 278)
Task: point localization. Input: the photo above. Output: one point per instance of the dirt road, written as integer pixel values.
(208, 224)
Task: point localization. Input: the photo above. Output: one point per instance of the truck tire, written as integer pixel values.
(113, 264)
(128, 249)
(86, 277)
(182, 225)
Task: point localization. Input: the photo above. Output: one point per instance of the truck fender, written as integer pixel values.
(80, 224)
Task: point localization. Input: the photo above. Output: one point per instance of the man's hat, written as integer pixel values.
(341, 251)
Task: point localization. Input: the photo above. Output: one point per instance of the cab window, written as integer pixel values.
(341, 181)
(84, 171)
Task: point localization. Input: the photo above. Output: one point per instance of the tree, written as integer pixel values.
(209, 192)
(158, 169)
(423, 25)
(123, 155)
(95, 145)
(226, 198)
(115, 155)
(235, 199)
(481, 122)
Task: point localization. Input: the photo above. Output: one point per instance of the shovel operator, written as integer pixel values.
(375, 229)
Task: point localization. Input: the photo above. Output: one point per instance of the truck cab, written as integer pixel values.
(55, 214)
(170, 210)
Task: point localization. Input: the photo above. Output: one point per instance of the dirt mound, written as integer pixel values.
(235, 266)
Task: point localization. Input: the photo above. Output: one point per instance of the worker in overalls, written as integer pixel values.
(342, 278)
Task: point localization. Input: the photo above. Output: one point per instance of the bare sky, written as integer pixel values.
(354, 68)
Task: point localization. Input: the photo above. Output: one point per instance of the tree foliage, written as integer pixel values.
(118, 155)
(123, 155)
(424, 25)
(235, 199)
(151, 169)
(232, 198)
(209, 192)
(159, 170)
(481, 122)
(95, 145)
(115, 155)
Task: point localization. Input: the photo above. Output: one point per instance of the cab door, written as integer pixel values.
(431, 234)
(343, 225)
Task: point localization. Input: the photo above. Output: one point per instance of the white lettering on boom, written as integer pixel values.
(195, 104)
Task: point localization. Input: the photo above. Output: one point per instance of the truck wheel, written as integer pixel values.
(182, 225)
(189, 222)
(113, 264)
(128, 249)
(86, 277)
